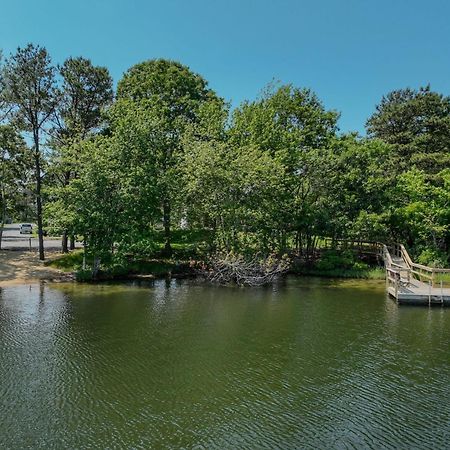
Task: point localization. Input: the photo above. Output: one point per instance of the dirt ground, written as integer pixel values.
(17, 267)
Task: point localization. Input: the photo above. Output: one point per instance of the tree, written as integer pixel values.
(417, 124)
(423, 214)
(291, 125)
(174, 94)
(4, 110)
(231, 190)
(14, 170)
(113, 199)
(359, 187)
(94, 200)
(86, 91)
(31, 92)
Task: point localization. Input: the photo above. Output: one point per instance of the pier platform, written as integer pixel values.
(412, 283)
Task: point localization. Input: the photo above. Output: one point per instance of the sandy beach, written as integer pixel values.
(18, 267)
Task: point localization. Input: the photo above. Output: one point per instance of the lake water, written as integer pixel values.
(306, 364)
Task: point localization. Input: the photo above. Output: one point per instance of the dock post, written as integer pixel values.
(429, 293)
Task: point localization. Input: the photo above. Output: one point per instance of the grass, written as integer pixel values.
(185, 243)
(371, 273)
(67, 262)
(444, 277)
(72, 262)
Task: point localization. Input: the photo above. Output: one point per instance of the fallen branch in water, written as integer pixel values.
(255, 271)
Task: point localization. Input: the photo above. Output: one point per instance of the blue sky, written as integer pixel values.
(350, 52)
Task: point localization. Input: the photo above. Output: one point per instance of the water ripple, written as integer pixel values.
(179, 365)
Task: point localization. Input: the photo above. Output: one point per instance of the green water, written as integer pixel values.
(306, 364)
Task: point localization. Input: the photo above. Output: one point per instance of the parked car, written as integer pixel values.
(26, 228)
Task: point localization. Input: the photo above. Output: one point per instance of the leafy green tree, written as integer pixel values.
(417, 124)
(230, 191)
(291, 125)
(15, 166)
(85, 93)
(4, 110)
(94, 199)
(423, 213)
(31, 93)
(286, 119)
(113, 200)
(359, 186)
(175, 94)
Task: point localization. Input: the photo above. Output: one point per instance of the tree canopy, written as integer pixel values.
(167, 156)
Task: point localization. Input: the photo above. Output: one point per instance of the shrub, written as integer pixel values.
(433, 258)
(83, 275)
(332, 259)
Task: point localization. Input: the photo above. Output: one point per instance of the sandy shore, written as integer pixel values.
(18, 267)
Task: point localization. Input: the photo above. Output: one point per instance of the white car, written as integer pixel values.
(26, 228)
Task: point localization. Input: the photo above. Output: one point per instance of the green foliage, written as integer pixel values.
(423, 210)
(229, 190)
(175, 99)
(417, 124)
(86, 91)
(67, 262)
(165, 169)
(335, 265)
(433, 258)
(332, 259)
(15, 168)
(84, 275)
(29, 89)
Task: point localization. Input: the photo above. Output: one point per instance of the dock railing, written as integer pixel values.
(409, 269)
(420, 271)
(367, 247)
(393, 279)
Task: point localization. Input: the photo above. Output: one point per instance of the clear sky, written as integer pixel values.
(350, 52)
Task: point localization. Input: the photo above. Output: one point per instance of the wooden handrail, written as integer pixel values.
(399, 250)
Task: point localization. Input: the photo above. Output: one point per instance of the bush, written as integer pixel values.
(83, 275)
(332, 259)
(433, 258)
(359, 265)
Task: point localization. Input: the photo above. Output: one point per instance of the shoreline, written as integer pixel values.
(22, 267)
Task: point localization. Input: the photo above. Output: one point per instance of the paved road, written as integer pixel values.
(13, 240)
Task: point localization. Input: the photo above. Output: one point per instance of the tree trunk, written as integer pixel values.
(72, 242)
(37, 160)
(3, 199)
(95, 267)
(297, 241)
(84, 254)
(166, 223)
(64, 240)
(65, 237)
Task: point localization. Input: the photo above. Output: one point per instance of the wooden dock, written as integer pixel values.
(406, 281)
(412, 283)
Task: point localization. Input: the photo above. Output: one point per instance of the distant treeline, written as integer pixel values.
(164, 152)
